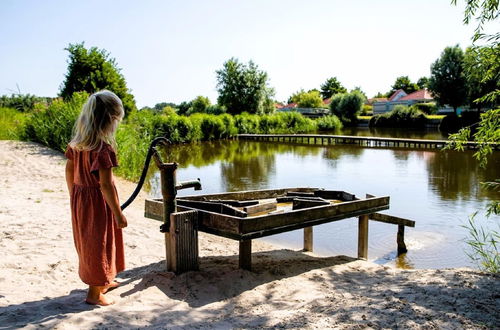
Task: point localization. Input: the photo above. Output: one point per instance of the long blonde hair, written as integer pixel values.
(98, 121)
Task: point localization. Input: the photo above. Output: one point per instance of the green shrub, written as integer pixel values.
(12, 123)
(53, 126)
(366, 110)
(400, 116)
(328, 123)
(247, 123)
(347, 106)
(427, 108)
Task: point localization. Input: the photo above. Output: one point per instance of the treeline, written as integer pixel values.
(52, 123)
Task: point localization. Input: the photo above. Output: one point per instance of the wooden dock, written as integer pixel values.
(362, 141)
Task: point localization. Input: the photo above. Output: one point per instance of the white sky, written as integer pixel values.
(169, 50)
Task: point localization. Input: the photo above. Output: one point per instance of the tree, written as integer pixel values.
(243, 87)
(331, 87)
(199, 104)
(91, 70)
(423, 82)
(311, 99)
(482, 72)
(405, 84)
(347, 106)
(447, 81)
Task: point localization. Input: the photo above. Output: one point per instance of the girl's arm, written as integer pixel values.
(110, 196)
(69, 175)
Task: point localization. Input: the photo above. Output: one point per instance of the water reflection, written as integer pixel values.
(430, 134)
(456, 175)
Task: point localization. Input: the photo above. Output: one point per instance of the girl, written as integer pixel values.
(95, 211)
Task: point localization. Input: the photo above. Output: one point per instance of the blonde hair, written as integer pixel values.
(98, 121)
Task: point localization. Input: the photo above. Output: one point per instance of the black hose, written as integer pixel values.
(151, 150)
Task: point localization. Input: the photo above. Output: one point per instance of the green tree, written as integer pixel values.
(347, 106)
(405, 84)
(91, 70)
(482, 72)
(423, 82)
(311, 99)
(243, 87)
(331, 87)
(447, 81)
(199, 104)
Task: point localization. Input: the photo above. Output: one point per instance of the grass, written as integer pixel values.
(364, 117)
(12, 123)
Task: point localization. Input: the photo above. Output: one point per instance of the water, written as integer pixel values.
(437, 189)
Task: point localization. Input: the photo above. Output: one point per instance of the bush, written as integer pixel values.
(366, 110)
(53, 126)
(400, 116)
(12, 123)
(427, 108)
(347, 106)
(23, 102)
(247, 123)
(328, 123)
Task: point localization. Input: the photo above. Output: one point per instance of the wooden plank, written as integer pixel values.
(248, 195)
(300, 203)
(345, 209)
(308, 239)
(153, 209)
(300, 193)
(391, 219)
(234, 202)
(363, 237)
(285, 199)
(329, 194)
(260, 208)
(245, 257)
(183, 242)
(212, 207)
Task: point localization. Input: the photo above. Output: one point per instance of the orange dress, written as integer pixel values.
(98, 240)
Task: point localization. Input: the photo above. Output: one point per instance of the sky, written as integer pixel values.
(169, 51)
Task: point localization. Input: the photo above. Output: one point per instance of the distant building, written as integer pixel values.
(308, 112)
(400, 97)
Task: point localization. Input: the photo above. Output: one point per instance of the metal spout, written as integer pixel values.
(196, 184)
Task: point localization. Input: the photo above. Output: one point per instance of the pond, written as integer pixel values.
(437, 189)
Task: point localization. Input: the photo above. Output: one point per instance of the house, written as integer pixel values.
(308, 112)
(400, 97)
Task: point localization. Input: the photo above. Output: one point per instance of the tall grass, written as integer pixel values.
(12, 124)
(53, 125)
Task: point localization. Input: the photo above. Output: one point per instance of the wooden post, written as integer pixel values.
(308, 239)
(182, 241)
(401, 240)
(245, 259)
(363, 237)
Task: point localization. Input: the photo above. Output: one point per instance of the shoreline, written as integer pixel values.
(39, 284)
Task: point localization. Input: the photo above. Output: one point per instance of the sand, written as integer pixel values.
(39, 284)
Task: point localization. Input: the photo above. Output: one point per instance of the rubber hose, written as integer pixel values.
(151, 150)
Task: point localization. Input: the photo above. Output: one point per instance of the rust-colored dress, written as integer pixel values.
(98, 240)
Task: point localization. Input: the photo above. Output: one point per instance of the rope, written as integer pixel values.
(151, 151)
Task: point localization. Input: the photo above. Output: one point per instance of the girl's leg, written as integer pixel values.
(95, 296)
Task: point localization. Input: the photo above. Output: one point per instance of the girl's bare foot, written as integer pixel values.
(95, 297)
(110, 286)
(101, 301)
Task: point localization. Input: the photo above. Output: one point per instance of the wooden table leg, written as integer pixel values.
(308, 239)
(363, 237)
(245, 260)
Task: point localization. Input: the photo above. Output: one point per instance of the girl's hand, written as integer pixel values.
(121, 221)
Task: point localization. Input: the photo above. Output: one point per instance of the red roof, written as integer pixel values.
(422, 94)
(327, 101)
(395, 93)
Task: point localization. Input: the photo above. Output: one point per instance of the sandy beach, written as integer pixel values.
(39, 284)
